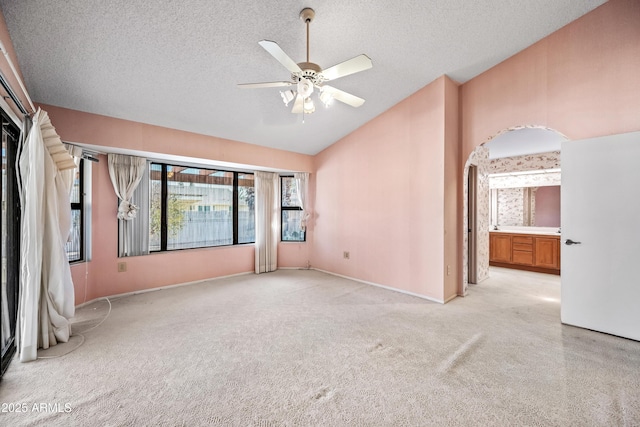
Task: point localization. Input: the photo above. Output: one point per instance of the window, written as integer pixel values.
(195, 208)
(10, 245)
(75, 243)
(246, 208)
(291, 211)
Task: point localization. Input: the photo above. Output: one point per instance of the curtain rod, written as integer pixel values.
(12, 95)
(85, 148)
(17, 76)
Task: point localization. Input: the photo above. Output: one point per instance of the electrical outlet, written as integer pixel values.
(448, 270)
(345, 255)
(122, 267)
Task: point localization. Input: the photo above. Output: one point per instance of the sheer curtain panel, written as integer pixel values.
(46, 288)
(267, 222)
(133, 235)
(126, 173)
(69, 174)
(302, 182)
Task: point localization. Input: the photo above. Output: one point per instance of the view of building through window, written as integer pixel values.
(73, 246)
(246, 208)
(291, 211)
(197, 208)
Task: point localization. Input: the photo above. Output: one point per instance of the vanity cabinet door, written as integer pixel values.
(500, 247)
(547, 252)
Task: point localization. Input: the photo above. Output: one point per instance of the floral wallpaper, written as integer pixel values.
(516, 193)
(480, 158)
(511, 206)
(528, 162)
(526, 180)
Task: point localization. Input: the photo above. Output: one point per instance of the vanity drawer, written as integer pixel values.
(528, 240)
(527, 247)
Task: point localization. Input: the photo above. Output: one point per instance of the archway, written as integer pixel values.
(514, 142)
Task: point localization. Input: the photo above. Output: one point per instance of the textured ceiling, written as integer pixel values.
(176, 63)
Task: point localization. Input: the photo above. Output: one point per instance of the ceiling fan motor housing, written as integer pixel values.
(310, 71)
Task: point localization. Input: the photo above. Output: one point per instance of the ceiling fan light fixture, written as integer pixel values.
(306, 76)
(308, 106)
(287, 96)
(305, 87)
(326, 97)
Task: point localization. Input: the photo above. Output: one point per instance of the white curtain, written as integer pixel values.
(46, 288)
(68, 175)
(133, 235)
(126, 173)
(302, 184)
(267, 221)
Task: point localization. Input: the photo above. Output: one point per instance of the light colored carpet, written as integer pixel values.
(310, 349)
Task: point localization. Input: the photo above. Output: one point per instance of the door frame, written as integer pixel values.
(477, 157)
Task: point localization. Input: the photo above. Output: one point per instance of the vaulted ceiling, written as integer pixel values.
(176, 63)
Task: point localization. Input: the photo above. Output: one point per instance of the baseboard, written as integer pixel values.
(142, 291)
(525, 267)
(389, 288)
(482, 280)
(452, 297)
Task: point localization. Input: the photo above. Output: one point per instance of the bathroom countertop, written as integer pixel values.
(532, 230)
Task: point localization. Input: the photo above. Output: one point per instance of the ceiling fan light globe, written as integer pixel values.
(308, 106)
(305, 87)
(287, 96)
(326, 98)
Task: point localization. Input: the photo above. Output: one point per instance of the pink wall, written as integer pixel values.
(548, 206)
(298, 255)
(395, 211)
(452, 187)
(581, 80)
(100, 276)
(380, 193)
(106, 131)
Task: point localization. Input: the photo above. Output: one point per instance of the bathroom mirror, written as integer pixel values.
(526, 206)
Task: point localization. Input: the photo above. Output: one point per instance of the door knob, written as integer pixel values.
(570, 242)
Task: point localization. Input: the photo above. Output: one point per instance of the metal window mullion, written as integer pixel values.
(81, 208)
(235, 208)
(164, 205)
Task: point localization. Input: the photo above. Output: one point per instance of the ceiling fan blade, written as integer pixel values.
(278, 53)
(265, 84)
(298, 105)
(343, 96)
(350, 66)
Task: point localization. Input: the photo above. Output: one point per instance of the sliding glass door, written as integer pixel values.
(10, 226)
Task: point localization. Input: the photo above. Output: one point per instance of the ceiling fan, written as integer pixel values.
(306, 76)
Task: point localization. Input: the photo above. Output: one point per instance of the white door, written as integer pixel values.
(601, 210)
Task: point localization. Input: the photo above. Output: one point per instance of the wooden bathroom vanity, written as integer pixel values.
(525, 251)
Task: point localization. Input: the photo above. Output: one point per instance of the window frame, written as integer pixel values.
(164, 193)
(80, 206)
(11, 249)
(288, 208)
